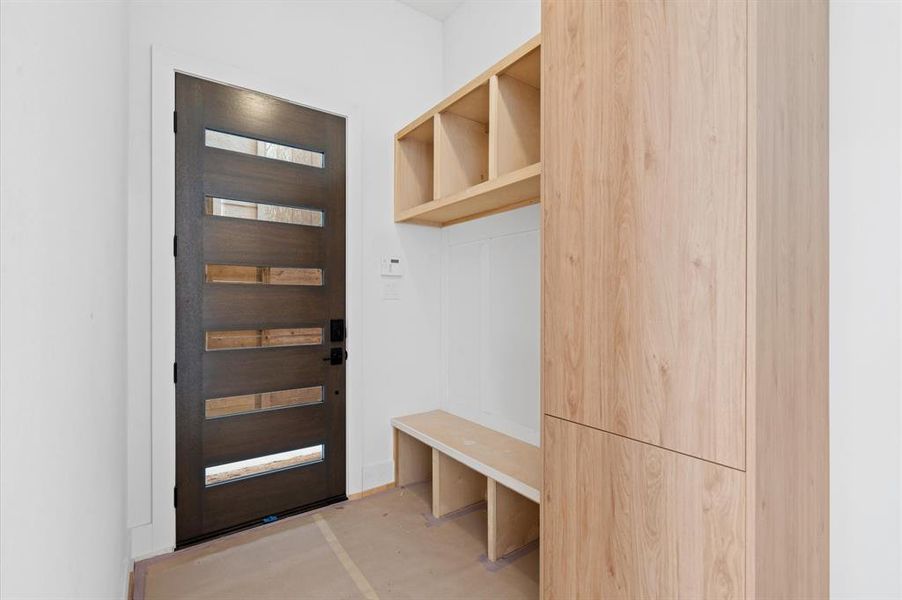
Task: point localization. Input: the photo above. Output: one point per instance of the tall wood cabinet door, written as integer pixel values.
(623, 519)
(644, 208)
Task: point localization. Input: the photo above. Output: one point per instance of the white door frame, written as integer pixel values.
(158, 536)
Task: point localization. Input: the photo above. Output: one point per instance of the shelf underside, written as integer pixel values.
(507, 192)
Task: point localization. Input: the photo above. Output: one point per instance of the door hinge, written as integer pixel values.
(175, 372)
(175, 121)
(175, 245)
(175, 497)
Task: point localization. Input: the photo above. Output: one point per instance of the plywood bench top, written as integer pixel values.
(509, 461)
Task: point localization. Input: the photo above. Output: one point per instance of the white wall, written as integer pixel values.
(380, 56)
(481, 32)
(865, 268)
(491, 322)
(491, 267)
(62, 315)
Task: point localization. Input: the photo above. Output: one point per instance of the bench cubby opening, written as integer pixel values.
(468, 464)
(513, 520)
(413, 460)
(454, 485)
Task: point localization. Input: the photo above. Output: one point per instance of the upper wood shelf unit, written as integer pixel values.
(476, 153)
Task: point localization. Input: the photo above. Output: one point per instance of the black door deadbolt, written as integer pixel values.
(337, 330)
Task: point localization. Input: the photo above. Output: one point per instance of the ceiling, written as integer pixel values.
(437, 9)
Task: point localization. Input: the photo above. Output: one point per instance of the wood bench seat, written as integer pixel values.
(469, 463)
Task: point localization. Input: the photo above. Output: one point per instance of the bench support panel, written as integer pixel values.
(513, 520)
(413, 460)
(454, 485)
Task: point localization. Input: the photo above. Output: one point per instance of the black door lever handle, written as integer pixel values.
(336, 356)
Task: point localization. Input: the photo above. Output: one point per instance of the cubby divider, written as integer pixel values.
(477, 152)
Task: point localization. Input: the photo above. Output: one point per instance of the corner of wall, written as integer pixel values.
(480, 378)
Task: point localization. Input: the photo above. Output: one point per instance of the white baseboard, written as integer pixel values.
(378, 474)
(142, 543)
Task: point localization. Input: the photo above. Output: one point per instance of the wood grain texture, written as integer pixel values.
(513, 190)
(454, 485)
(258, 179)
(235, 241)
(788, 302)
(513, 125)
(252, 274)
(505, 459)
(644, 187)
(262, 433)
(461, 154)
(263, 338)
(473, 106)
(414, 167)
(372, 491)
(525, 71)
(782, 71)
(224, 182)
(233, 405)
(231, 306)
(413, 460)
(237, 501)
(445, 161)
(624, 519)
(254, 370)
(513, 520)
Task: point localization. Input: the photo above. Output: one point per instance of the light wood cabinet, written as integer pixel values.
(636, 521)
(684, 326)
(645, 158)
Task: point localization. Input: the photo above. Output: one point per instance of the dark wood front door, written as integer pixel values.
(260, 307)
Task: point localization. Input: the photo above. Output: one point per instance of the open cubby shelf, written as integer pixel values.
(477, 152)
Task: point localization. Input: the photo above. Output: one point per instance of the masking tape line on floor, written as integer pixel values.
(362, 584)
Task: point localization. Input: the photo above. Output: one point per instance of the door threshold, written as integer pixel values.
(274, 518)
